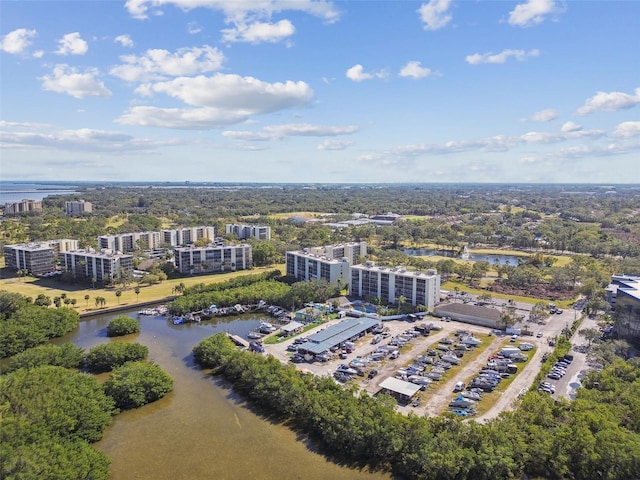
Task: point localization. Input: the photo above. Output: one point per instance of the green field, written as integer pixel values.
(32, 287)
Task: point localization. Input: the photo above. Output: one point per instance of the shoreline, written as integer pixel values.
(129, 306)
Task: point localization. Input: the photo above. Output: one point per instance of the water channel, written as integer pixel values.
(201, 430)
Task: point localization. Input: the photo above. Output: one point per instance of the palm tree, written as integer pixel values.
(137, 292)
(87, 297)
(118, 294)
(93, 281)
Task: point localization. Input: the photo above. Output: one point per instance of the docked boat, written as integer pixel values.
(254, 335)
(266, 327)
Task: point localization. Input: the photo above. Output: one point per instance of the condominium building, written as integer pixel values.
(37, 258)
(305, 266)
(25, 206)
(213, 258)
(78, 207)
(244, 231)
(186, 236)
(624, 296)
(128, 242)
(352, 251)
(370, 281)
(105, 266)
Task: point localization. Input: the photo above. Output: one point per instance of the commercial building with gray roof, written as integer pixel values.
(337, 334)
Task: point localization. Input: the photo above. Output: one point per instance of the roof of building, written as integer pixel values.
(292, 326)
(338, 333)
(470, 310)
(401, 387)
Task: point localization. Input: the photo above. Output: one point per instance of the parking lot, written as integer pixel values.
(437, 396)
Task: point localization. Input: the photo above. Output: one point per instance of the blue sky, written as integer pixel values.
(319, 91)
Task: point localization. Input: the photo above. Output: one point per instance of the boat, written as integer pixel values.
(254, 335)
(266, 327)
(178, 321)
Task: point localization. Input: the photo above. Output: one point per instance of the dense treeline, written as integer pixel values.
(580, 219)
(24, 325)
(50, 415)
(273, 292)
(107, 356)
(596, 436)
(67, 356)
(241, 281)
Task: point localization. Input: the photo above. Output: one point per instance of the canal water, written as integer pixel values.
(201, 430)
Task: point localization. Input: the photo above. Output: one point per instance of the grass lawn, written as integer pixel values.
(32, 287)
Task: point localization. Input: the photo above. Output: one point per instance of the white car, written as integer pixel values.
(539, 335)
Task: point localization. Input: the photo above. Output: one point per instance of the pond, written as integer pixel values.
(201, 430)
(489, 258)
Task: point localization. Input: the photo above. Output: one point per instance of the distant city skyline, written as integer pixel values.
(440, 91)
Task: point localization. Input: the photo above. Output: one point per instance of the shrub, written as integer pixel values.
(67, 356)
(122, 325)
(108, 356)
(137, 383)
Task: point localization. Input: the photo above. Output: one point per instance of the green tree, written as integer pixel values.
(118, 295)
(86, 298)
(122, 325)
(590, 334)
(66, 355)
(105, 357)
(137, 383)
(136, 290)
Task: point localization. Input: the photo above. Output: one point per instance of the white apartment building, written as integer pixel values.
(370, 281)
(352, 251)
(244, 231)
(186, 236)
(128, 242)
(37, 258)
(305, 266)
(213, 258)
(105, 266)
(78, 207)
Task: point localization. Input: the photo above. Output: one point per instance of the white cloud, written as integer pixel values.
(38, 54)
(220, 100)
(84, 139)
(435, 14)
(193, 28)
(415, 70)
(66, 79)
(72, 44)
(627, 130)
(124, 40)
(335, 145)
(279, 132)
(544, 115)
(158, 64)
(238, 9)
(259, 32)
(357, 74)
(532, 12)
(17, 41)
(570, 127)
(520, 55)
(609, 102)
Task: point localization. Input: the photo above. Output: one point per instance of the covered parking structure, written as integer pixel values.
(336, 335)
(399, 388)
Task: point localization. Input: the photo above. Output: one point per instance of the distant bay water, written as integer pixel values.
(17, 191)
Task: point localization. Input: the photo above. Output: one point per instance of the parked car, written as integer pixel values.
(372, 373)
(539, 335)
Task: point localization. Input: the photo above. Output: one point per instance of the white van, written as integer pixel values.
(459, 387)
